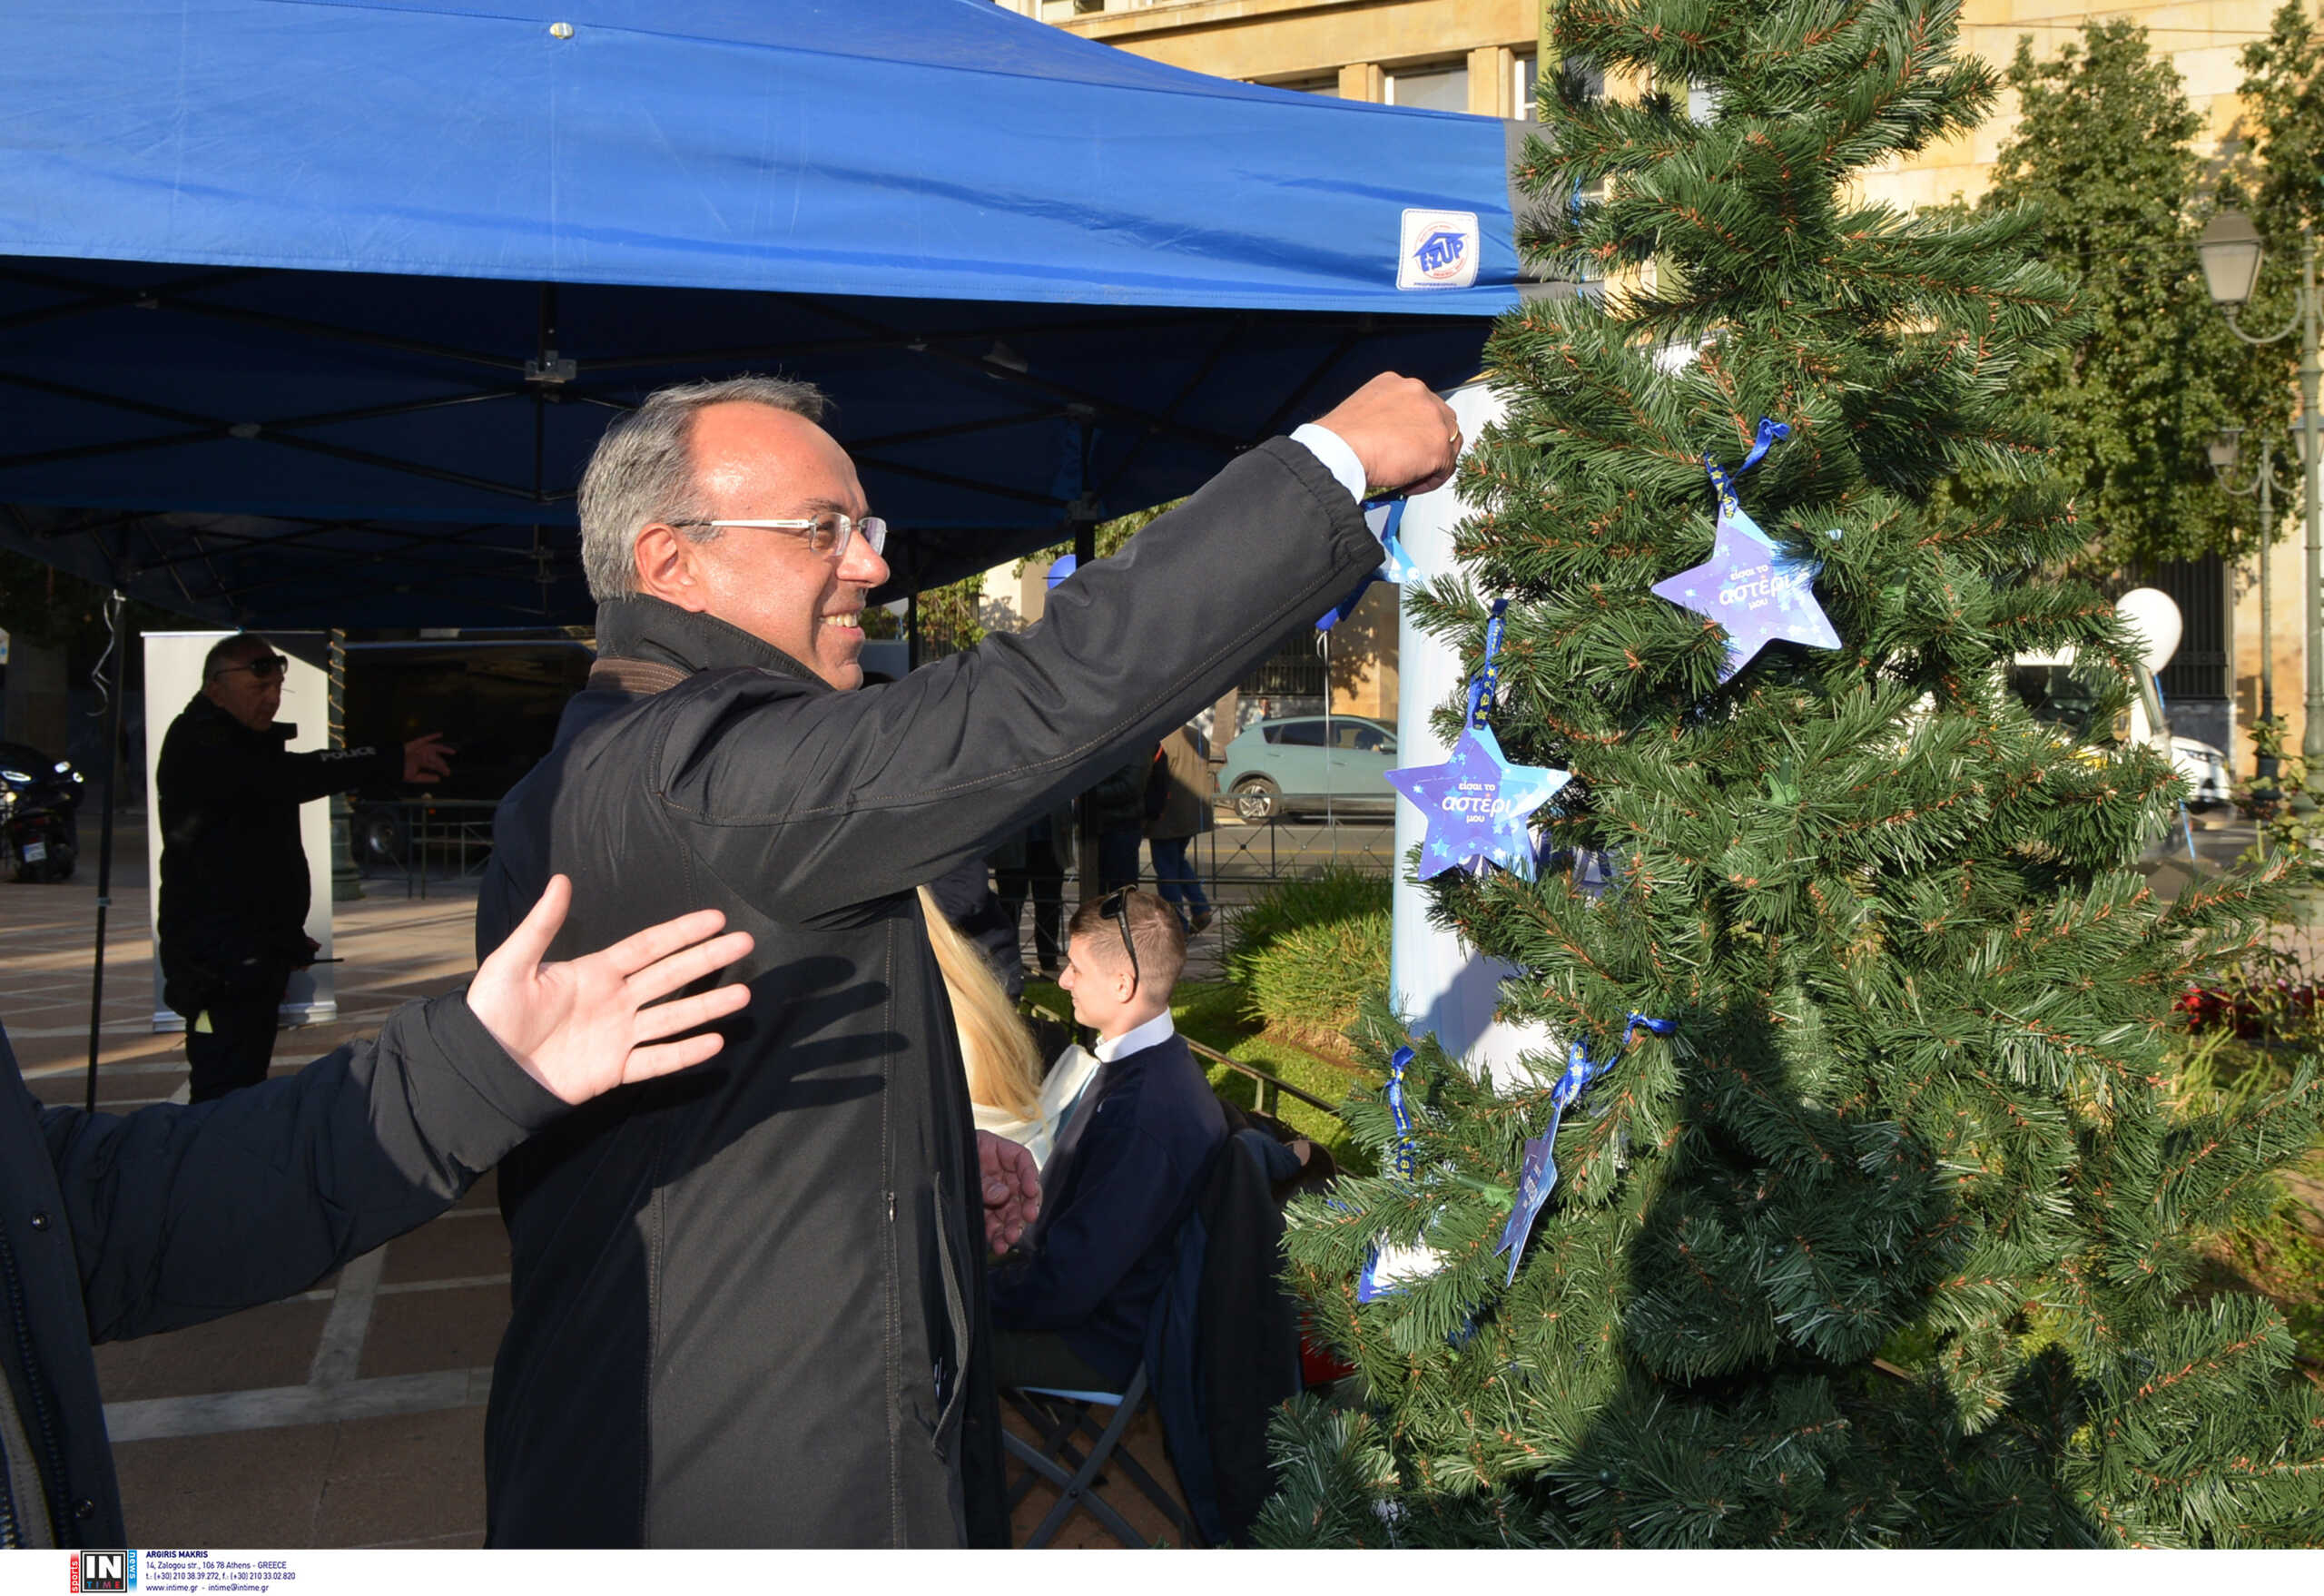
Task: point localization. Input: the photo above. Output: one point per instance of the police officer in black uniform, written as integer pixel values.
(235, 885)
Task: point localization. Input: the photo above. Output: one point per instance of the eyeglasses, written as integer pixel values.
(826, 534)
(265, 668)
(1115, 906)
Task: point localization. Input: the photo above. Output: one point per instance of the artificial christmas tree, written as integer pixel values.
(1889, 1239)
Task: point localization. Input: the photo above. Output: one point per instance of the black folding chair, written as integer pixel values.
(1074, 1453)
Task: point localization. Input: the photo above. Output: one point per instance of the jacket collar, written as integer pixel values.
(1136, 1039)
(656, 630)
(205, 711)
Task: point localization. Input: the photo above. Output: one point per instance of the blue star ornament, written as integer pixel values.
(1539, 1178)
(1476, 803)
(1760, 594)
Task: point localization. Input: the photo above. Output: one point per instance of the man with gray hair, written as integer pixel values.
(749, 1303)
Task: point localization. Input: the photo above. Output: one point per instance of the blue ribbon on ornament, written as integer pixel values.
(1722, 480)
(1769, 431)
(1538, 1176)
(1396, 565)
(1486, 688)
(1397, 1106)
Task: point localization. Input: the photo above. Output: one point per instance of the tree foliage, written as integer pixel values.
(1893, 1241)
(2104, 155)
(2280, 167)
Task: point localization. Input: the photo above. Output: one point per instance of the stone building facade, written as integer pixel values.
(1480, 57)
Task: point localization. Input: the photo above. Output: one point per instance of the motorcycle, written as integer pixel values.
(39, 830)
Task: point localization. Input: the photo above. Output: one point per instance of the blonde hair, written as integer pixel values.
(1003, 1065)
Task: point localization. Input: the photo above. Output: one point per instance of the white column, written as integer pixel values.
(1440, 982)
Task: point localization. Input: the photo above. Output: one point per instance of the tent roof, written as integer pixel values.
(377, 272)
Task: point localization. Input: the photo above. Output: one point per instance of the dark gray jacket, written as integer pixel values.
(115, 1225)
(748, 1303)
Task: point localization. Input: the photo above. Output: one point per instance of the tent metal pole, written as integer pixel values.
(1084, 550)
(118, 608)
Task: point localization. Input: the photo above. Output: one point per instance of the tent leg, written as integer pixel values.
(120, 648)
(1085, 553)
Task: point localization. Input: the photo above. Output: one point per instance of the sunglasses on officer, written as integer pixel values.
(263, 667)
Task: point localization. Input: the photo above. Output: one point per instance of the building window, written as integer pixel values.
(1441, 87)
(1325, 83)
(1526, 85)
(1084, 7)
(1584, 80)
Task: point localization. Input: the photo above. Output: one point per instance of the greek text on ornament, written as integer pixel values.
(1772, 586)
(1460, 804)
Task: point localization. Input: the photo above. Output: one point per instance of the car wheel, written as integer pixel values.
(379, 838)
(1257, 798)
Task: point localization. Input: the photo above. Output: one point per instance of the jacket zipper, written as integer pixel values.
(956, 1311)
(42, 1424)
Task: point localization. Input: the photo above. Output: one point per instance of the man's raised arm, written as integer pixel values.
(879, 788)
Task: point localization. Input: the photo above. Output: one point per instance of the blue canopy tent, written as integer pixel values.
(310, 311)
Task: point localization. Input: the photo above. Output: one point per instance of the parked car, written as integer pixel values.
(2047, 684)
(1308, 763)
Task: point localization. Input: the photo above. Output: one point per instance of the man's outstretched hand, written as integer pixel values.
(585, 1027)
(426, 759)
(1405, 436)
(1013, 1189)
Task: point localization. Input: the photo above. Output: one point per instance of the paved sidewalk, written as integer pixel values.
(352, 1414)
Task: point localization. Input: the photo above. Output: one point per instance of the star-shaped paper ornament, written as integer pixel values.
(1476, 803)
(1755, 590)
(1539, 1177)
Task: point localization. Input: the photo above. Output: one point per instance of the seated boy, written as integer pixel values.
(1070, 1310)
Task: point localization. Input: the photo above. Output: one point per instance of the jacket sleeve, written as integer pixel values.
(181, 1214)
(825, 800)
(207, 772)
(1128, 1194)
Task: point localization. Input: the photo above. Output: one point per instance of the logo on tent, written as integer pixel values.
(1439, 250)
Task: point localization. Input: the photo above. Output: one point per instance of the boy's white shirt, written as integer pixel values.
(1154, 1030)
(1068, 1078)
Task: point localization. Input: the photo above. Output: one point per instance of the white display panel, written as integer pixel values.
(173, 677)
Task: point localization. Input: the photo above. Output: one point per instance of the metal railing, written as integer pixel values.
(447, 840)
(444, 840)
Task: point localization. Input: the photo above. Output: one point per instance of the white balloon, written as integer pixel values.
(2154, 621)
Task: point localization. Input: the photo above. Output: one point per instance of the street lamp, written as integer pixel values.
(2231, 251)
(2226, 450)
